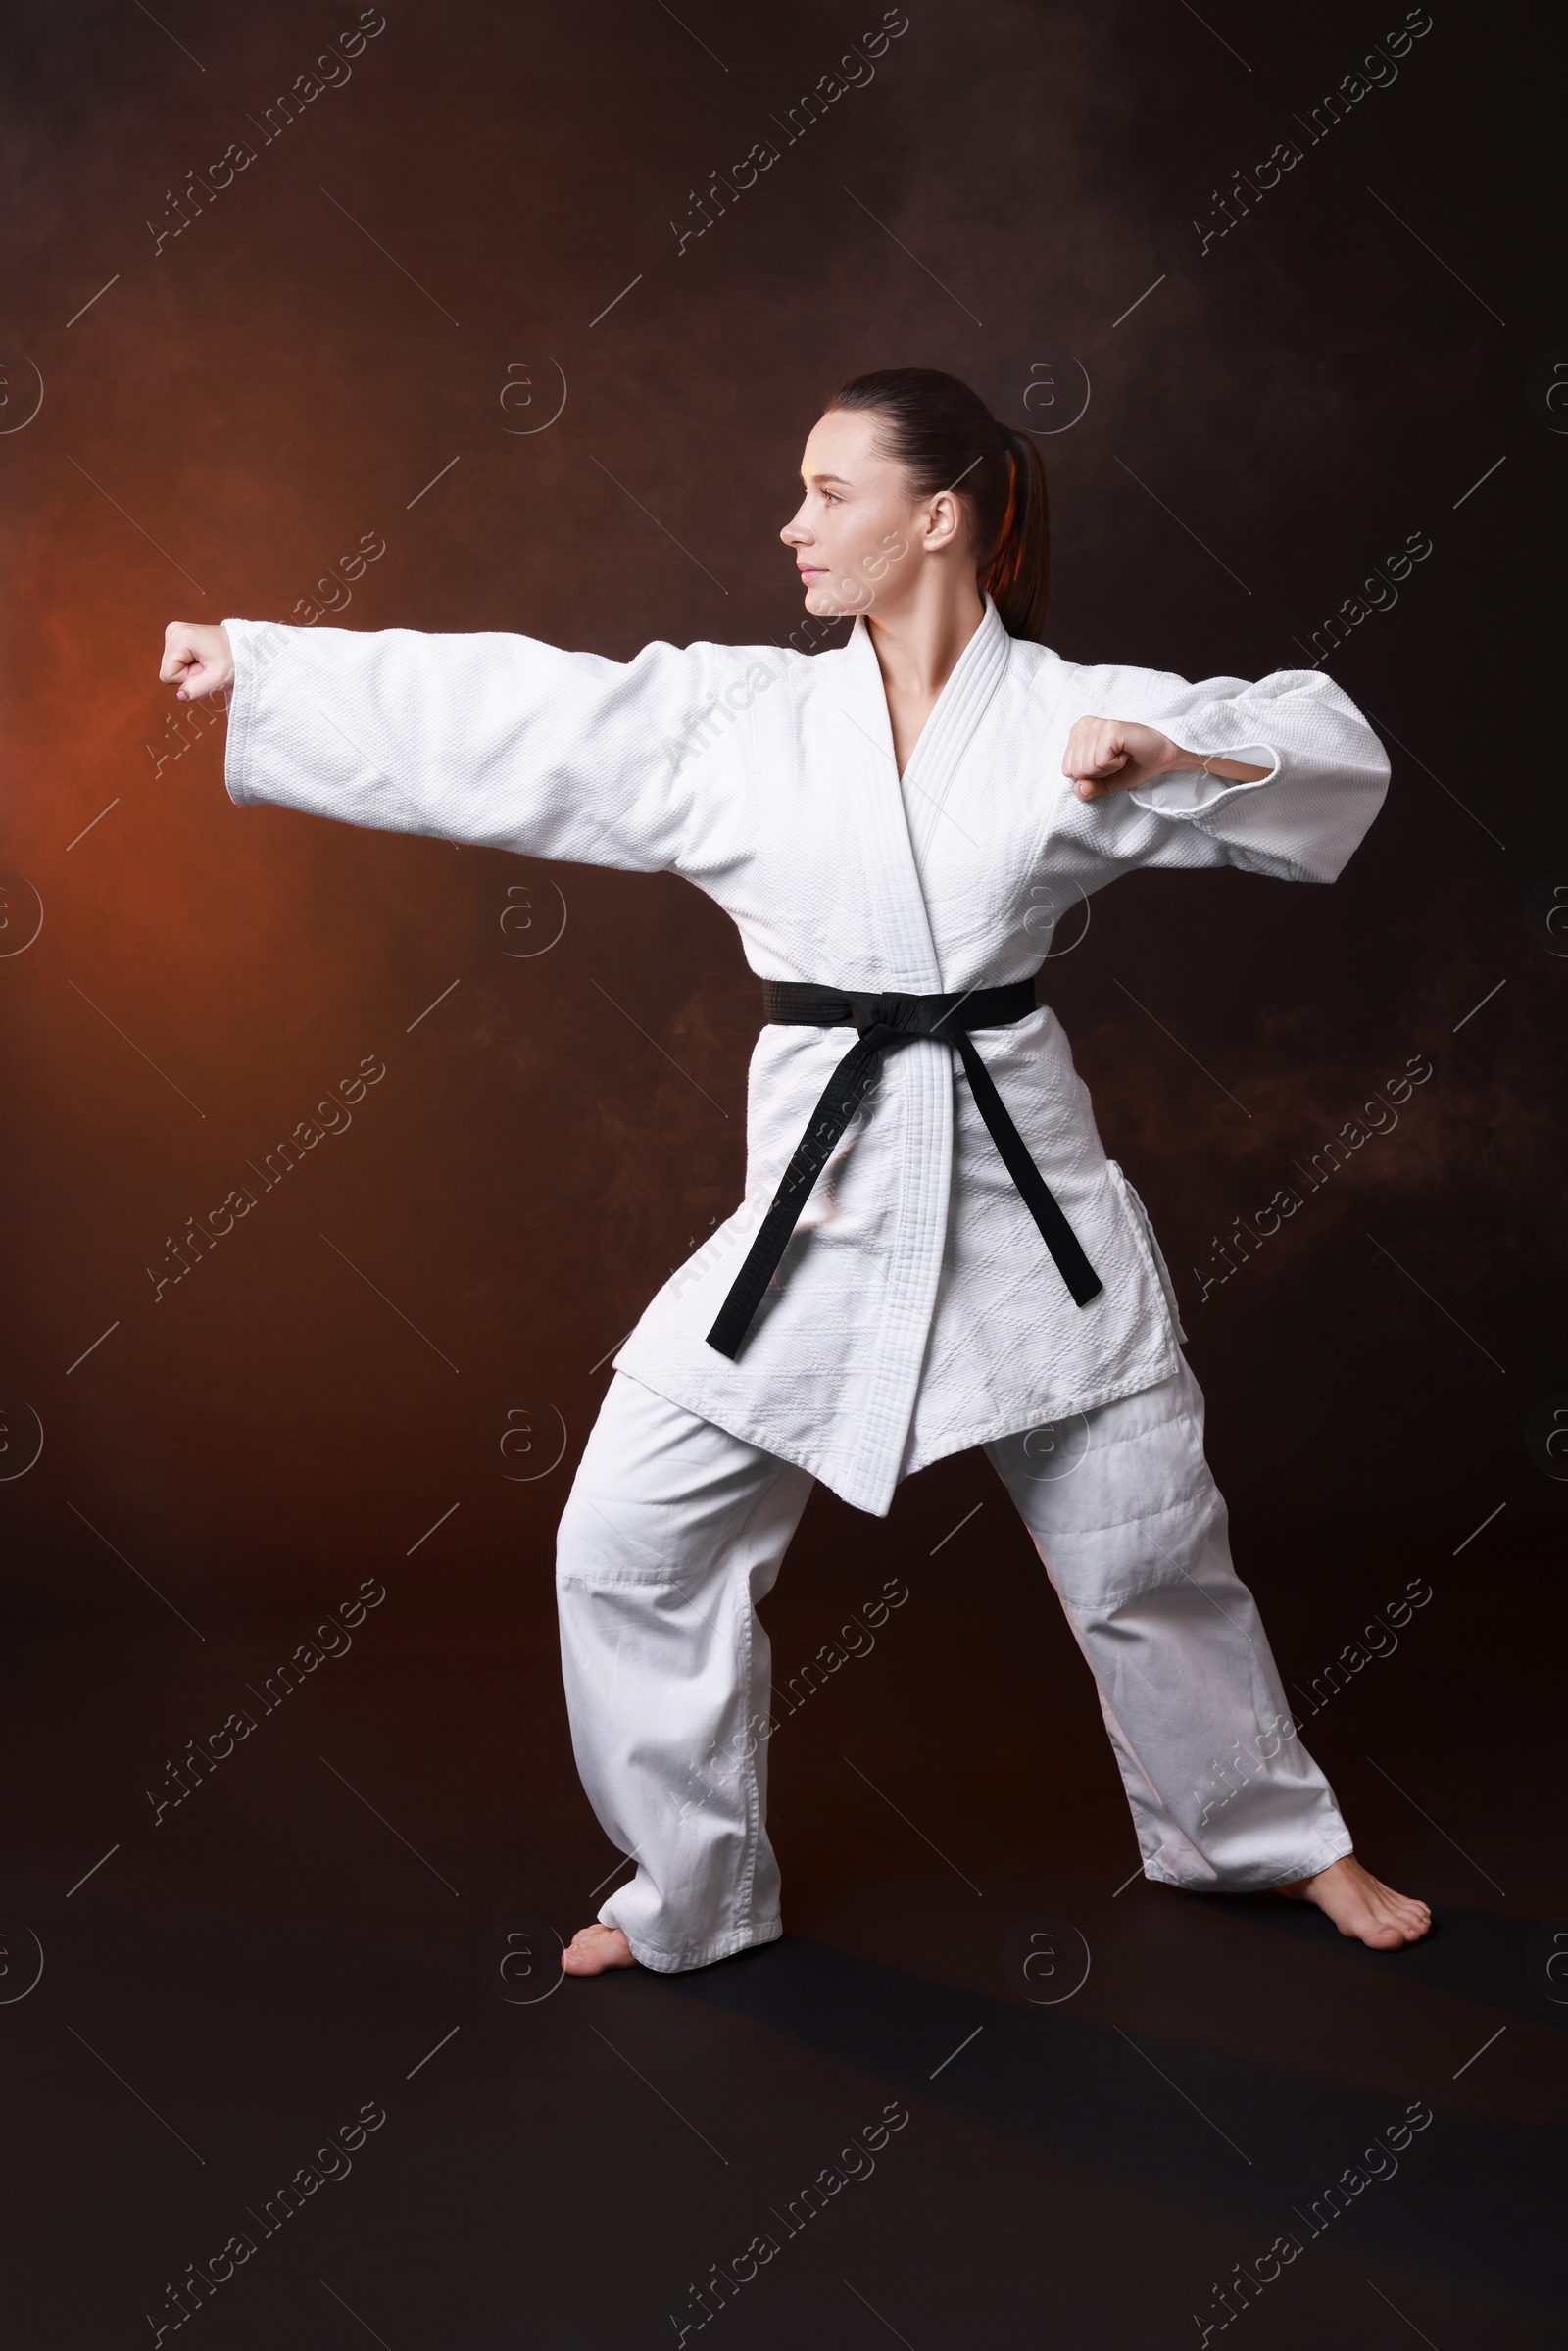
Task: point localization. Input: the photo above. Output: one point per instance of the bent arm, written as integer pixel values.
(1112, 754)
(1281, 777)
(494, 739)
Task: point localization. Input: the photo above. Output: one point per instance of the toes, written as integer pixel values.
(1407, 1925)
(593, 1949)
(1414, 1918)
(584, 1954)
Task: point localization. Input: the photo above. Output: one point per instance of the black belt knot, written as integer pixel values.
(881, 1020)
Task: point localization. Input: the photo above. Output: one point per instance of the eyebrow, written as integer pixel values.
(836, 478)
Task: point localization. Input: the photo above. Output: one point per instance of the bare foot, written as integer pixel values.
(594, 1948)
(1361, 1905)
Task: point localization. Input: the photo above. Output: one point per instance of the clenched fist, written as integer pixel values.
(1116, 755)
(197, 659)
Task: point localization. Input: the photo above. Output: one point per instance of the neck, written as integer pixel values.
(917, 646)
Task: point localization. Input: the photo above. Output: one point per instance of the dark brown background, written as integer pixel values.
(220, 426)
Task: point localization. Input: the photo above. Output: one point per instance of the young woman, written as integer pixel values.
(934, 1250)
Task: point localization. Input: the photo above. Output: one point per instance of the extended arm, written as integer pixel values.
(495, 739)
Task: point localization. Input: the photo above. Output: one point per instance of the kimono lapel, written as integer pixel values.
(950, 729)
(900, 823)
(911, 1136)
(905, 950)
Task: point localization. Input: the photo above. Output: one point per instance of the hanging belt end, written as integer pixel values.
(725, 1339)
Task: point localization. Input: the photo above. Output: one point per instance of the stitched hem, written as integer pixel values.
(1329, 1849)
(1332, 1849)
(876, 1500)
(676, 1963)
(1019, 1419)
(239, 700)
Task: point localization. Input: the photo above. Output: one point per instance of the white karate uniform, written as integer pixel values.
(675, 1529)
(916, 1310)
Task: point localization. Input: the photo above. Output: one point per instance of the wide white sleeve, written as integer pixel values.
(1326, 777)
(495, 739)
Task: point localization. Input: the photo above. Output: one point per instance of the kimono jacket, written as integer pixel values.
(916, 1310)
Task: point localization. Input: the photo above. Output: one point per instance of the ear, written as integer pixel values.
(946, 524)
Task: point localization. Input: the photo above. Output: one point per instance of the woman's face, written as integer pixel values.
(859, 535)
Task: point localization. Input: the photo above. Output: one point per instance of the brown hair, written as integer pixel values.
(945, 438)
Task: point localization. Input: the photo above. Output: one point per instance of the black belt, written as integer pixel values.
(884, 1020)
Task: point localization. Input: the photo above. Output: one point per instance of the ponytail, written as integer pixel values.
(944, 438)
(1019, 577)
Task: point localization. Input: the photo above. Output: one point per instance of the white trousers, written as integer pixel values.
(674, 1531)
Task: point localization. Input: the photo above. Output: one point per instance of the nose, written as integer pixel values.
(796, 532)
